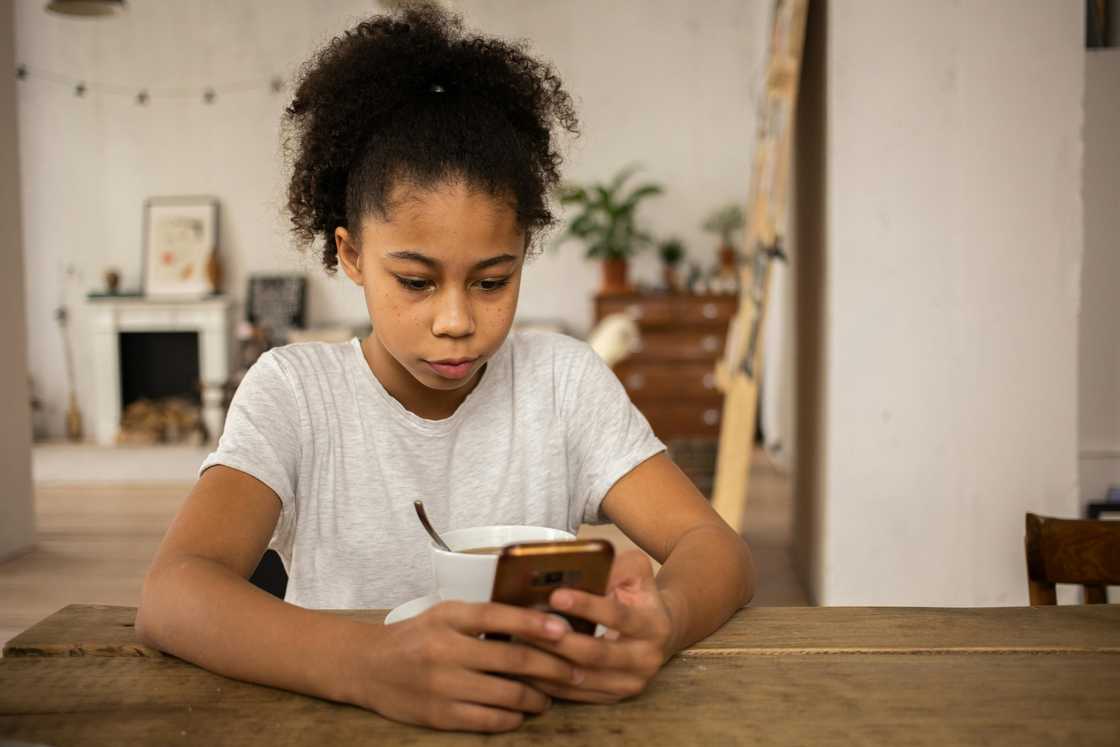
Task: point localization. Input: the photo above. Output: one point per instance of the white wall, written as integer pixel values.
(952, 244)
(666, 83)
(1100, 296)
(17, 516)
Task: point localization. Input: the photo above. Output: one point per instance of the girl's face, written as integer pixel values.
(441, 280)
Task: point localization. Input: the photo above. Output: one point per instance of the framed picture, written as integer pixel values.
(277, 303)
(1100, 24)
(180, 239)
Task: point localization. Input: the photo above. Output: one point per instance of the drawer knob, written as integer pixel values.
(710, 311)
(635, 381)
(710, 343)
(709, 381)
(711, 416)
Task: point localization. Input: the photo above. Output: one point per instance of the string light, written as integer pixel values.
(143, 96)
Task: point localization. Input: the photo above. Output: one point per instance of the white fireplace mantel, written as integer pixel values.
(209, 318)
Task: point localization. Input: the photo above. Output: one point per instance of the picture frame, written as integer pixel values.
(1100, 24)
(277, 303)
(179, 247)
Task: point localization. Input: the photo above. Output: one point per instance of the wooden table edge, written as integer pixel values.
(701, 653)
(108, 630)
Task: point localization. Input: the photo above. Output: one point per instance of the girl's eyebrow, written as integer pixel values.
(435, 263)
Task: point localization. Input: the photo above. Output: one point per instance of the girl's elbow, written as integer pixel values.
(143, 629)
(147, 623)
(144, 624)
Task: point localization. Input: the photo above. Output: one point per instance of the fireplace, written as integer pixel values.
(156, 365)
(147, 349)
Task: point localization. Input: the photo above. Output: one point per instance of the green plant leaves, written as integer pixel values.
(725, 221)
(606, 222)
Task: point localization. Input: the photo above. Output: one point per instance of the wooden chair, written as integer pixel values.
(1071, 551)
(270, 574)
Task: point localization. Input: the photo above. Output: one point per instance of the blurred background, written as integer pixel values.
(940, 348)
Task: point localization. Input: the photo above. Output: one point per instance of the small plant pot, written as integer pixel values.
(727, 259)
(670, 278)
(615, 276)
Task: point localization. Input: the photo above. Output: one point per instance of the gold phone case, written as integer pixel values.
(529, 572)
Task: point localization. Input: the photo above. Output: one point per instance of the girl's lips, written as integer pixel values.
(452, 370)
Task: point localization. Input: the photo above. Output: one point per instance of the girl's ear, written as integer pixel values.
(349, 255)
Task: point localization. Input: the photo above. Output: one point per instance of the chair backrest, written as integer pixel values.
(1071, 551)
(270, 574)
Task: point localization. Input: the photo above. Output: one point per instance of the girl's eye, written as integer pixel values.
(413, 284)
(419, 285)
(493, 284)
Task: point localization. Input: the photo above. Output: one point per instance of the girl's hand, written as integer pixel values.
(434, 670)
(638, 640)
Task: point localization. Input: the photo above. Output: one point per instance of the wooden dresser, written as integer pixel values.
(672, 378)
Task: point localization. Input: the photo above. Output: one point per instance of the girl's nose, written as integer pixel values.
(453, 316)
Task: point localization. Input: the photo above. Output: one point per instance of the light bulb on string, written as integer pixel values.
(143, 96)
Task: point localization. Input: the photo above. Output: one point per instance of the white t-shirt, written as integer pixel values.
(540, 440)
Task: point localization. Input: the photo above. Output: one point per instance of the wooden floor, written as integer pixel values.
(95, 543)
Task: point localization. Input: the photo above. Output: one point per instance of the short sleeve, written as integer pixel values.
(261, 434)
(607, 435)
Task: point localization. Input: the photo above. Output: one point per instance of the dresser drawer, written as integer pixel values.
(668, 380)
(670, 310)
(679, 346)
(655, 311)
(716, 310)
(682, 418)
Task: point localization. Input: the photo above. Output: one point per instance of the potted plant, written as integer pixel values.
(671, 252)
(606, 224)
(726, 222)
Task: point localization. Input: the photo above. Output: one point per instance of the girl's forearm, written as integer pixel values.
(201, 611)
(707, 577)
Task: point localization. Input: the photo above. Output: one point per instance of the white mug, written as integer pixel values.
(470, 578)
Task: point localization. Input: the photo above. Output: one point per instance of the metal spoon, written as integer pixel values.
(420, 512)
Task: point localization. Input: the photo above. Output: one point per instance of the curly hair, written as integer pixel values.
(408, 98)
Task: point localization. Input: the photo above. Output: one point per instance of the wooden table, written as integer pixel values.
(837, 675)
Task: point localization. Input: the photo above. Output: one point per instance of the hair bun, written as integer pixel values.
(410, 96)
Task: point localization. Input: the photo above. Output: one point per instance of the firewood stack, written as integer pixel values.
(168, 420)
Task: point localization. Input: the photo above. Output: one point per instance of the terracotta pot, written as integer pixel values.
(670, 279)
(614, 276)
(727, 260)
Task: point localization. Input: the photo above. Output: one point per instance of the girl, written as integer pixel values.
(422, 158)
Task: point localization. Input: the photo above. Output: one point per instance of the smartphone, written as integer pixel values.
(528, 573)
